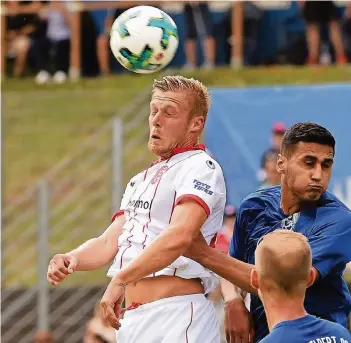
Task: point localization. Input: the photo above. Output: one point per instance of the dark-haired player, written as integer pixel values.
(301, 204)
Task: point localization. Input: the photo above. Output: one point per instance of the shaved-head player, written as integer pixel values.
(283, 270)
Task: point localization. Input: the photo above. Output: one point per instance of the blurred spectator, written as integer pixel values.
(199, 23)
(226, 233)
(103, 51)
(21, 30)
(316, 15)
(97, 330)
(272, 177)
(56, 44)
(278, 130)
(44, 337)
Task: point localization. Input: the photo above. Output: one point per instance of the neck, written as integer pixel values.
(281, 309)
(186, 144)
(290, 203)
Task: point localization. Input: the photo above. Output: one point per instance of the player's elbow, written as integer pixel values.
(181, 240)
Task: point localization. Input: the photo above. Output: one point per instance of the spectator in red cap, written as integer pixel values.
(278, 130)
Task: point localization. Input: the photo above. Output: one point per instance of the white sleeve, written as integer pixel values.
(125, 199)
(203, 181)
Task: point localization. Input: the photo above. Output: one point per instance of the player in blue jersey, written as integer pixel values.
(303, 204)
(283, 271)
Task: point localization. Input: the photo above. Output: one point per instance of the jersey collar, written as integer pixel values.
(179, 150)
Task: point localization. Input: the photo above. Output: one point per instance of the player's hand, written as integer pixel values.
(111, 303)
(60, 266)
(197, 248)
(238, 323)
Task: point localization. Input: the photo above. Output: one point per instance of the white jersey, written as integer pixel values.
(149, 201)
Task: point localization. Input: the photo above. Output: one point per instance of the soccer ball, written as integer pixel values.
(144, 39)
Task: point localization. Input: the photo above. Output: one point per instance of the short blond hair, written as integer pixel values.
(284, 260)
(198, 92)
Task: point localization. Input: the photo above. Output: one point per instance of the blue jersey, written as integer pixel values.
(308, 329)
(328, 229)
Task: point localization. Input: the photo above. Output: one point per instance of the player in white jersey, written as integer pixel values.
(163, 209)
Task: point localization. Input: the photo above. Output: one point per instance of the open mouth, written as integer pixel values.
(155, 137)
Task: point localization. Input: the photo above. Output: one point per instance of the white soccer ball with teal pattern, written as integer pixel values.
(144, 39)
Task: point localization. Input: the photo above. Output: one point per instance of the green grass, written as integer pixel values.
(44, 124)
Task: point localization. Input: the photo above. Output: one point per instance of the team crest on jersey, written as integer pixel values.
(159, 174)
(290, 222)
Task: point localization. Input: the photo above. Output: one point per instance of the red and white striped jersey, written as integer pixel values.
(149, 201)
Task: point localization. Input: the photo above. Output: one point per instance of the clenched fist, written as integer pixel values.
(60, 266)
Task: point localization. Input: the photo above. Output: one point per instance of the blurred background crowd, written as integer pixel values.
(52, 42)
(301, 32)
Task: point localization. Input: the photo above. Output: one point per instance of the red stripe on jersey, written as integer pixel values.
(213, 241)
(117, 214)
(173, 206)
(130, 244)
(146, 225)
(191, 320)
(195, 198)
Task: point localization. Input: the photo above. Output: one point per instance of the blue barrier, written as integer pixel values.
(239, 123)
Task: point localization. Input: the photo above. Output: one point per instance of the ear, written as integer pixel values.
(312, 277)
(254, 279)
(197, 124)
(281, 164)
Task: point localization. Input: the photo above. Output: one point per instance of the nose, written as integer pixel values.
(156, 120)
(317, 173)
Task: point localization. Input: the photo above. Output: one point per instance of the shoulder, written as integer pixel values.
(335, 328)
(136, 178)
(261, 199)
(202, 159)
(278, 335)
(332, 212)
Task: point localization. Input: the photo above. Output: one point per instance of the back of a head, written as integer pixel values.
(284, 262)
(308, 133)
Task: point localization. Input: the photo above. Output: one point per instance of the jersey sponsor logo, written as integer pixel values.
(132, 184)
(210, 164)
(140, 204)
(290, 222)
(202, 187)
(159, 174)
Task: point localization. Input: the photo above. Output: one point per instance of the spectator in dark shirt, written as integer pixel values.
(198, 18)
(21, 30)
(316, 15)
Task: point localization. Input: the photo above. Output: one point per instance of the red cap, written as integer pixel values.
(279, 127)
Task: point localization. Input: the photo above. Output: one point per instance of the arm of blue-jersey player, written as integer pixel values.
(330, 245)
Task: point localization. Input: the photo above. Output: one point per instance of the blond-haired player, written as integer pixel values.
(283, 270)
(163, 209)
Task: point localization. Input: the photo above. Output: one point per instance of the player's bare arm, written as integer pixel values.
(233, 270)
(238, 324)
(93, 254)
(187, 219)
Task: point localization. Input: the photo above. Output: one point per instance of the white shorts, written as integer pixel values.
(188, 319)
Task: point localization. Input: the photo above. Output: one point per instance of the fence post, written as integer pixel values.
(43, 241)
(237, 59)
(116, 164)
(75, 8)
(3, 41)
